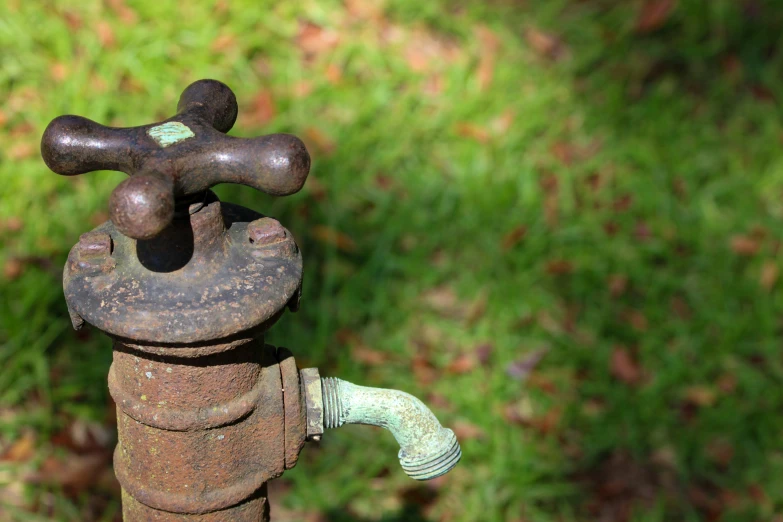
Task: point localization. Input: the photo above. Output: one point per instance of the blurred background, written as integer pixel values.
(555, 221)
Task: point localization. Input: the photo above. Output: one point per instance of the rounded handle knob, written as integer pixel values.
(178, 157)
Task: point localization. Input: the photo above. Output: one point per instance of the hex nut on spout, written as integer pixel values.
(427, 449)
(314, 404)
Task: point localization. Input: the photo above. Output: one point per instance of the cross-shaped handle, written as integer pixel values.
(179, 157)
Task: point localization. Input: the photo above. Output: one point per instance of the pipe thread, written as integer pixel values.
(333, 407)
(429, 468)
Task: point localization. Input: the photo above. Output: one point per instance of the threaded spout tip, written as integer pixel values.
(441, 457)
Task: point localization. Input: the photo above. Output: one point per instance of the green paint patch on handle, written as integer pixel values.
(170, 133)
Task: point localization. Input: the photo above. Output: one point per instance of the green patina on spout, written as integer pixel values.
(427, 449)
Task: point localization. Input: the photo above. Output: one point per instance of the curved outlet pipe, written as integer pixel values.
(427, 449)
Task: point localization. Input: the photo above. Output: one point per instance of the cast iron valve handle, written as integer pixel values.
(175, 160)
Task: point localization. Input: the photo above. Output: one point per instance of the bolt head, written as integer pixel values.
(265, 231)
(94, 245)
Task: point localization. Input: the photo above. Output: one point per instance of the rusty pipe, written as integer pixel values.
(186, 287)
(427, 449)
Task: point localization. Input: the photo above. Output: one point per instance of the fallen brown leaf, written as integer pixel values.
(74, 472)
(314, 40)
(680, 308)
(762, 93)
(618, 284)
(484, 353)
(514, 237)
(368, 356)
(542, 382)
(370, 10)
(330, 236)
(98, 218)
(524, 366)
(463, 363)
(595, 181)
(476, 309)
(105, 34)
(611, 228)
(223, 43)
(319, 140)
(426, 50)
(720, 451)
(642, 232)
(489, 43)
(757, 493)
(12, 224)
(262, 110)
(315, 188)
(548, 322)
(221, 7)
(20, 450)
(384, 182)
(519, 412)
(73, 20)
(423, 370)
(83, 437)
(727, 383)
(637, 320)
(502, 123)
(346, 336)
(622, 203)
(439, 401)
(21, 151)
(702, 396)
(302, 89)
(732, 67)
(547, 423)
(434, 85)
(465, 430)
(707, 498)
(564, 152)
(127, 15)
(13, 268)
(559, 267)
(58, 71)
(745, 245)
(333, 74)
(664, 457)
(546, 45)
(472, 131)
(624, 367)
(549, 183)
(441, 299)
(769, 275)
(653, 15)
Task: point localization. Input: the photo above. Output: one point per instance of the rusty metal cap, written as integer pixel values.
(184, 286)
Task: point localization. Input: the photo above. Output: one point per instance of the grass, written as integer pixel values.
(492, 182)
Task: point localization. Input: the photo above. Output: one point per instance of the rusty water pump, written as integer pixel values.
(185, 286)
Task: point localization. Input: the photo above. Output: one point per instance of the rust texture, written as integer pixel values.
(186, 286)
(294, 402)
(198, 435)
